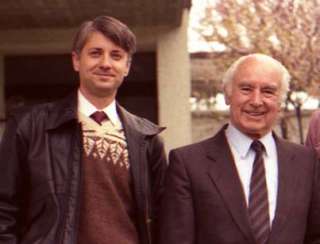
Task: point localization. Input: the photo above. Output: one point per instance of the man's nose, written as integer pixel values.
(105, 61)
(256, 98)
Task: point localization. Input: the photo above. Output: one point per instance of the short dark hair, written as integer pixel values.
(115, 30)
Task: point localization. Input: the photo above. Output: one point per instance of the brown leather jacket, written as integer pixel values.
(40, 162)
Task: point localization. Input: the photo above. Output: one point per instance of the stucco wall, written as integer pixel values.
(174, 85)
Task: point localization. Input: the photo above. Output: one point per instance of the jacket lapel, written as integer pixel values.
(136, 130)
(287, 176)
(134, 141)
(223, 173)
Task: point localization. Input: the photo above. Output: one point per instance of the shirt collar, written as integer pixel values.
(241, 142)
(87, 108)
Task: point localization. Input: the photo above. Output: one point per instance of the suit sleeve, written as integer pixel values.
(313, 135)
(313, 224)
(11, 150)
(177, 211)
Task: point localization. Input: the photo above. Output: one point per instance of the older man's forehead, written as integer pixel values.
(258, 84)
(257, 68)
(261, 62)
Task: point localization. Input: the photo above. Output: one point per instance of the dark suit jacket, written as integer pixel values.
(204, 202)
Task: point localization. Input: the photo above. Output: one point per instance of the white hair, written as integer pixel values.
(230, 73)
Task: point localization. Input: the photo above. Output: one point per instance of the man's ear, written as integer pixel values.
(279, 106)
(226, 96)
(226, 99)
(75, 61)
(128, 67)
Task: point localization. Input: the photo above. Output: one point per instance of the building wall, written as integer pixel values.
(172, 72)
(174, 85)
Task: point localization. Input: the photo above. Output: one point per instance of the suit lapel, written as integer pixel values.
(287, 178)
(223, 173)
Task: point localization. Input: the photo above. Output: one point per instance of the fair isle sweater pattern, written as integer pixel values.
(106, 141)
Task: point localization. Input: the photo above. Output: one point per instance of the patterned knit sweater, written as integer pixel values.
(107, 213)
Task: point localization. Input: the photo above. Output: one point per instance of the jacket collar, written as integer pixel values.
(138, 125)
(65, 110)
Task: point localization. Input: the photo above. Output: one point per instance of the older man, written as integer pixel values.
(83, 170)
(244, 185)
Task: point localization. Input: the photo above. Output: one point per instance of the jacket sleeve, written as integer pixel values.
(177, 211)
(11, 150)
(313, 135)
(313, 224)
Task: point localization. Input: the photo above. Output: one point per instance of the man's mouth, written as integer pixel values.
(104, 74)
(255, 113)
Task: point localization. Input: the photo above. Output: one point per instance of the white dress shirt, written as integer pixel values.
(243, 158)
(87, 108)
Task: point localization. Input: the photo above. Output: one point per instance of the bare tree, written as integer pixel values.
(288, 30)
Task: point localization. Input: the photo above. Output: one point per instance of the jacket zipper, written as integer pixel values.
(77, 135)
(78, 203)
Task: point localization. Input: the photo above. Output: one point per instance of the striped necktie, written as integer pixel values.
(258, 197)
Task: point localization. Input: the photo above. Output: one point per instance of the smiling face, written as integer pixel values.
(255, 96)
(102, 66)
